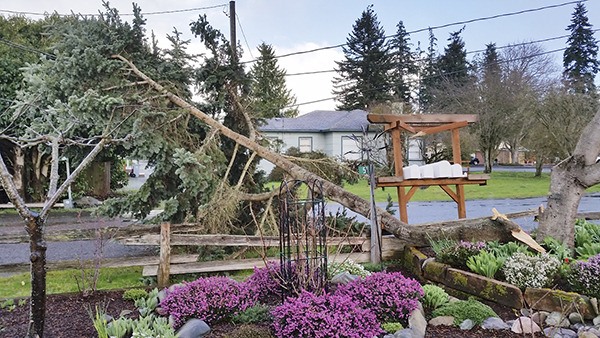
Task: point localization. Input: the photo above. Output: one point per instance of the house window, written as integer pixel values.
(351, 148)
(305, 144)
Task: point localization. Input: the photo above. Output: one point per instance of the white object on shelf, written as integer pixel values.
(412, 171)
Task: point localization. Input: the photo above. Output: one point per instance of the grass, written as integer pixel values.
(500, 185)
(64, 281)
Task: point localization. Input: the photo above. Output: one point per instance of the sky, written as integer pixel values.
(293, 26)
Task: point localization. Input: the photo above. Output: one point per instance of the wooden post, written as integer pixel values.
(164, 263)
(398, 163)
(462, 208)
(456, 158)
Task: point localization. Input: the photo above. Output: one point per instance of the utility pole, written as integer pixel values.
(233, 39)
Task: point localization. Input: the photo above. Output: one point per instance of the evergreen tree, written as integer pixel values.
(429, 76)
(364, 78)
(404, 65)
(269, 95)
(580, 60)
(453, 64)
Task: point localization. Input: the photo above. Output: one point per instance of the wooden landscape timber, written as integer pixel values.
(409, 234)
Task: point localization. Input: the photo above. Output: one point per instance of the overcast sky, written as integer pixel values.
(297, 25)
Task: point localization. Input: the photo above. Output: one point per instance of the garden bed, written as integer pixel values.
(457, 281)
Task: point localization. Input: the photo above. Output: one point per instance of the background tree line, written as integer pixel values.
(522, 99)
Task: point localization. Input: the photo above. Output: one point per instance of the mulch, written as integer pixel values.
(67, 316)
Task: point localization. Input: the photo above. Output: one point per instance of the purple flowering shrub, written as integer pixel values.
(584, 276)
(323, 316)
(457, 256)
(211, 299)
(391, 296)
(265, 282)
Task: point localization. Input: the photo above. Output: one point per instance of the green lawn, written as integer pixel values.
(505, 184)
(65, 281)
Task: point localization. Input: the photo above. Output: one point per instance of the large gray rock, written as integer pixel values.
(193, 328)
(344, 278)
(494, 323)
(406, 333)
(559, 332)
(575, 318)
(586, 334)
(417, 323)
(557, 319)
(525, 325)
(467, 324)
(596, 321)
(442, 320)
(539, 317)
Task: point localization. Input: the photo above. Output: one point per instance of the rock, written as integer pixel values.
(417, 323)
(589, 329)
(494, 323)
(86, 202)
(596, 321)
(539, 317)
(161, 311)
(559, 332)
(525, 325)
(557, 319)
(453, 299)
(405, 333)
(344, 278)
(575, 318)
(525, 312)
(559, 301)
(594, 304)
(193, 328)
(586, 334)
(467, 324)
(442, 320)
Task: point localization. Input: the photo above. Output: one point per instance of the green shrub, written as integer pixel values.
(485, 263)
(250, 331)
(505, 250)
(586, 232)
(587, 250)
(391, 327)
(457, 256)
(254, 314)
(434, 296)
(558, 249)
(134, 294)
(466, 309)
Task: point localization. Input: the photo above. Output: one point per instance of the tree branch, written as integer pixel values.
(54, 164)
(12, 192)
(84, 163)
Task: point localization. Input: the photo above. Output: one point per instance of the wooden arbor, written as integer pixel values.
(426, 124)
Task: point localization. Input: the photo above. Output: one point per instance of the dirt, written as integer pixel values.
(67, 316)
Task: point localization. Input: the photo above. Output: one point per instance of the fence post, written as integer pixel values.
(165, 255)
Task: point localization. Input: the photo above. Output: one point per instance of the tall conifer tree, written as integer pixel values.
(404, 65)
(364, 76)
(580, 59)
(453, 63)
(269, 95)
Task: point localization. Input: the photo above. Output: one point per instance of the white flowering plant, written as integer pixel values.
(349, 266)
(531, 271)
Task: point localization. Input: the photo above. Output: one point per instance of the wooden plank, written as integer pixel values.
(456, 152)
(443, 127)
(422, 119)
(241, 264)
(119, 262)
(389, 179)
(230, 240)
(474, 177)
(450, 193)
(420, 182)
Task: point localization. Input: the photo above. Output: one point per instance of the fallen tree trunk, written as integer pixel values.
(410, 234)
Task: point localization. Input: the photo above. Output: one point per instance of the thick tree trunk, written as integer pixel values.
(407, 233)
(565, 193)
(37, 248)
(539, 166)
(487, 161)
(569, 179)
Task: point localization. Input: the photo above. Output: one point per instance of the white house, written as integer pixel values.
(338, 134)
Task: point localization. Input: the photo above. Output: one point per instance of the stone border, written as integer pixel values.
(503, 293)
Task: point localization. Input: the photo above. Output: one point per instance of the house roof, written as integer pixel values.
(319, 121)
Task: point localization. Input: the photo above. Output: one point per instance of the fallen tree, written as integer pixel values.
(481, 229)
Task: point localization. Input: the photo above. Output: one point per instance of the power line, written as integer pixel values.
(244, 35)
(434, 27)
(469, 52)
(124, 14)
(28, 49)
(434, 76)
